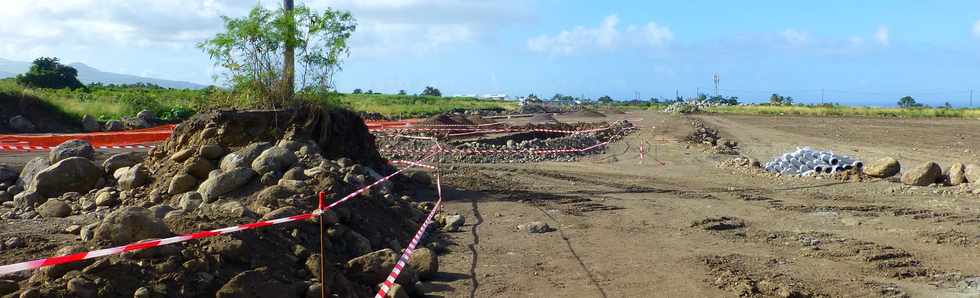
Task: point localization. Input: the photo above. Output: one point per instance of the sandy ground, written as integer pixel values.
(678, 225)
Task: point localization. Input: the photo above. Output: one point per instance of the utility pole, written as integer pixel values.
(971, 98)
(821, 95)
(717, 80)
(289, 57)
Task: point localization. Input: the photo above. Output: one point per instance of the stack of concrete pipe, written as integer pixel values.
(808, 162)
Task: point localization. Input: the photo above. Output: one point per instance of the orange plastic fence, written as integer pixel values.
(116, 138)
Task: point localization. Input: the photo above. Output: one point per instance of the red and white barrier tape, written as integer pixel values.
(412, 163)
(6, 269)
(48, 148)
(494, 130)
(407, 254)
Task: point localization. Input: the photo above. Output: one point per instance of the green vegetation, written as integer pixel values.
(431, 91)
(908, 102)
(113, 102)
(828, 110)
(412, 106)
(49, 73)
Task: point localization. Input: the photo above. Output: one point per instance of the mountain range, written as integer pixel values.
(88, 75)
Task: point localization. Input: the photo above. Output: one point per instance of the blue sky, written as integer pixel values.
(857, 52)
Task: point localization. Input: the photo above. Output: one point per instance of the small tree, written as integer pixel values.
(605, 99)
(431, 91)
(908, 102)
(357, 91)
(251, 51)
(401, 92)
(49, 73)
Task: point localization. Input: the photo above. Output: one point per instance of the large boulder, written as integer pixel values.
(212, 151)
(372, 267)
(882, 168)
(75, 174)
(114, 125)
(71, 148)
(424, 262)
(130, 224)
(972, 173)
(134, 177)
(120, 160)
(147, 115)
(54, 208)
(257, 283)
(198, 167)
(923, 175)
(275, 159)
(224, 182)
(956, 174)
(243, 157)
(7, 174)
(89, 123)
(182, 183)
(31, 169)
(20, 124)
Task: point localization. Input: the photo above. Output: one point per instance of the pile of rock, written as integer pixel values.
(689, 106)
(926, 174)
(705, 135)
(193, 184)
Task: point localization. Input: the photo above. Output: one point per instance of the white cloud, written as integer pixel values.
(795, 37)
(976, 29)
(605, 36)
(881, 36)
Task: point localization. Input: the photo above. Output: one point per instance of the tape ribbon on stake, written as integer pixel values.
(407, 254)
(7, 269)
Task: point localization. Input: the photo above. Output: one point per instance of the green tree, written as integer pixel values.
(778, 100)
(47, 72)
(401, 92)
(357, 91)
(251, 50)
(908, 102)
(431, 91)
(605, 99)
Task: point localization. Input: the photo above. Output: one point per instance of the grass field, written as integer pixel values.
(415, 106)
(846, 111)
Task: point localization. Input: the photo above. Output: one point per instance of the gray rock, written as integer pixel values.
(269, 179)
(73, 229)
(130, 224)
(21, 124)
(71, 148)
(453, 222)
(189, 201)
(14, 242)
(883, 168)
(15, 189)
(243, 157)
(89, 123)
(120, 160)
(372, 267)
(134, 177)
(5, 196)
(922, 175)
(88, 231)
(275, 159)
(8, 286)
(182, 155)
(424, 262)
(182, 183)
(956, 174)
(7, 175)
(160, 211)
(257, 283)
(281, 212)
(31, 169)
(28, 199)
(296, 173)
(75, 174)
(198, 167)
(972, 173)
(142, 292)
(147, 115)
(114, 125)
(224, 183)
(535, 227)
(54, 208)
(212, 151)
(81, 287)
(106, 198)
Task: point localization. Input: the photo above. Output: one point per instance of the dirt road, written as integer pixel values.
(678, 225)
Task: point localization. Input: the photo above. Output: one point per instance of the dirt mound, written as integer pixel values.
(477, 119)
(43, 116)
(205, 179)
(447, 119)
(542, 119)
(586, 113)
(613, 111)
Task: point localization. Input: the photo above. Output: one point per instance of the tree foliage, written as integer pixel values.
(779, 100)
(605, 99)
(357, 91)
(431, 91)
(47, 72)
(251, 50)
(908, 102)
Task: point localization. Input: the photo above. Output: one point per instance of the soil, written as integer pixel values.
(680, 223)
(585, 113)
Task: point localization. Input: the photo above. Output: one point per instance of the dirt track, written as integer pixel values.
(689, 228)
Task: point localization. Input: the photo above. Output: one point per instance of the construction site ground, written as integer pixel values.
(677, 225)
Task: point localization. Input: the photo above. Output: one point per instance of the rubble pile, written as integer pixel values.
(511, 147)
(222, 169)
(705, 135)
(689, 106)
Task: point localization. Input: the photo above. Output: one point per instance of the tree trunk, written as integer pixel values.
(288, 67)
